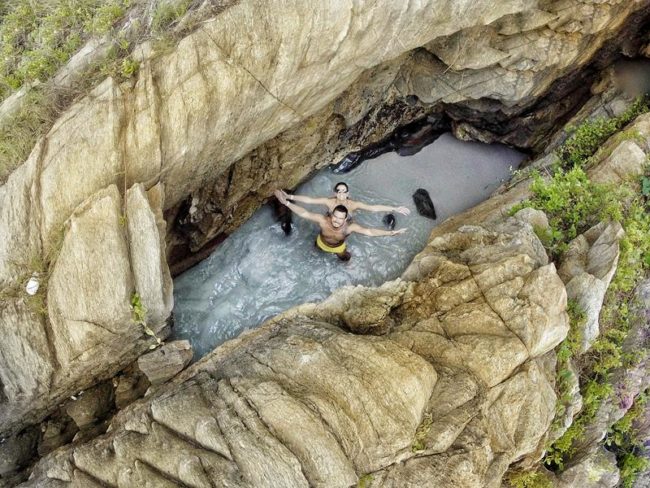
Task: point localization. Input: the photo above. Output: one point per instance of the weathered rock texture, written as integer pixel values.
(455, 388)
(587, 268)
(251, 100)
(107, 253)
(166, 361)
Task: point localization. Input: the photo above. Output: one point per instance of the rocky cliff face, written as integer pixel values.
(247, 102)
(458, 386)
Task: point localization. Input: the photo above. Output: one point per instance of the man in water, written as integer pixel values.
(341, 198)
(334, 227)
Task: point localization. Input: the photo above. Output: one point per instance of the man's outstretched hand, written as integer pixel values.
(403, 210)
(281, 196)
(399, 231)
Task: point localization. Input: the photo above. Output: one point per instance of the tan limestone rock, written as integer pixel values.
(626, 160)
(91, 284)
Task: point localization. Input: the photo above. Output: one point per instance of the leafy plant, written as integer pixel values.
(586, 139)
(129, 67)
(572, 204)
(627, 443)
(419, 442)
(139, 317)
(528, 479)
(167, 12)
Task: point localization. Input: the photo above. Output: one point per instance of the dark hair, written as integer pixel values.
(340, 208)
(339, 184)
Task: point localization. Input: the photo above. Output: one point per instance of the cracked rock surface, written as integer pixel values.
(453, 391)
(249, 99)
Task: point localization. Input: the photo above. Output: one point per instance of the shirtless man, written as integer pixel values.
(334, 227)
(341, 198)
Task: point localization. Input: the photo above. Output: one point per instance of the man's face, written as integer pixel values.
(338, 219)
(341, 193)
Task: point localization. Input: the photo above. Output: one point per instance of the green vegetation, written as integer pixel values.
(567, 350)
(419, 442)
(528, 479)
(627, 443)
(139, 317)
(364, 481)
(586, 139)
(129, 67)
(573, 204)
(167, 13)
(18, 135)
(38, 37)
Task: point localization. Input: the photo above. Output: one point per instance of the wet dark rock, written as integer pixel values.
(348, 163)
(416, 141)
(424, 204)
(282, 215)
(389, 221)
(17, 451)
(56, 433)
(129, 388)
(406, 141)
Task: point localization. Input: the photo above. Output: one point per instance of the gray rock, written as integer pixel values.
(146, 229)
(179, 123)
(626, 160)
(587, 268)
(17, 451)
(129, 387)
(165, 362)
(536, 218)
(92, 405)
(56, 432)
(599, 470)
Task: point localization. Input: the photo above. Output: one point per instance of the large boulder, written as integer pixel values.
(305, 404)
(109, 250)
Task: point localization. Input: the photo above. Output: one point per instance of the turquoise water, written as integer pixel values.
(258, 271)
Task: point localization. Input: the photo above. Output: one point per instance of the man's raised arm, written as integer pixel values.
(382, 208)
(299, 211)
(374, 232)
(305, 199)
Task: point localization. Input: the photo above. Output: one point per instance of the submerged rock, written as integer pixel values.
(424, 204)
(389, 221)
(282, 215)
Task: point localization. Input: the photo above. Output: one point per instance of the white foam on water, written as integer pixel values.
(258, 272)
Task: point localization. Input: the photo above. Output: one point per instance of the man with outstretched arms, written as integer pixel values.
(334, 227)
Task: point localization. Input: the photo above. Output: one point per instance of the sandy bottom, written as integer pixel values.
(258, 271)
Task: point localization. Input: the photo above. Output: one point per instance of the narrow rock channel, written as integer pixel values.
(259, 272)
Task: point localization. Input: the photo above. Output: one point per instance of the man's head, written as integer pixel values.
(341, 190)
(338, 216)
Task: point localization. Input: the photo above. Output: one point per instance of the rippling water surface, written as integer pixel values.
(258, 271)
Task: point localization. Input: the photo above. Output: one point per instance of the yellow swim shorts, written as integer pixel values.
(324, 247)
